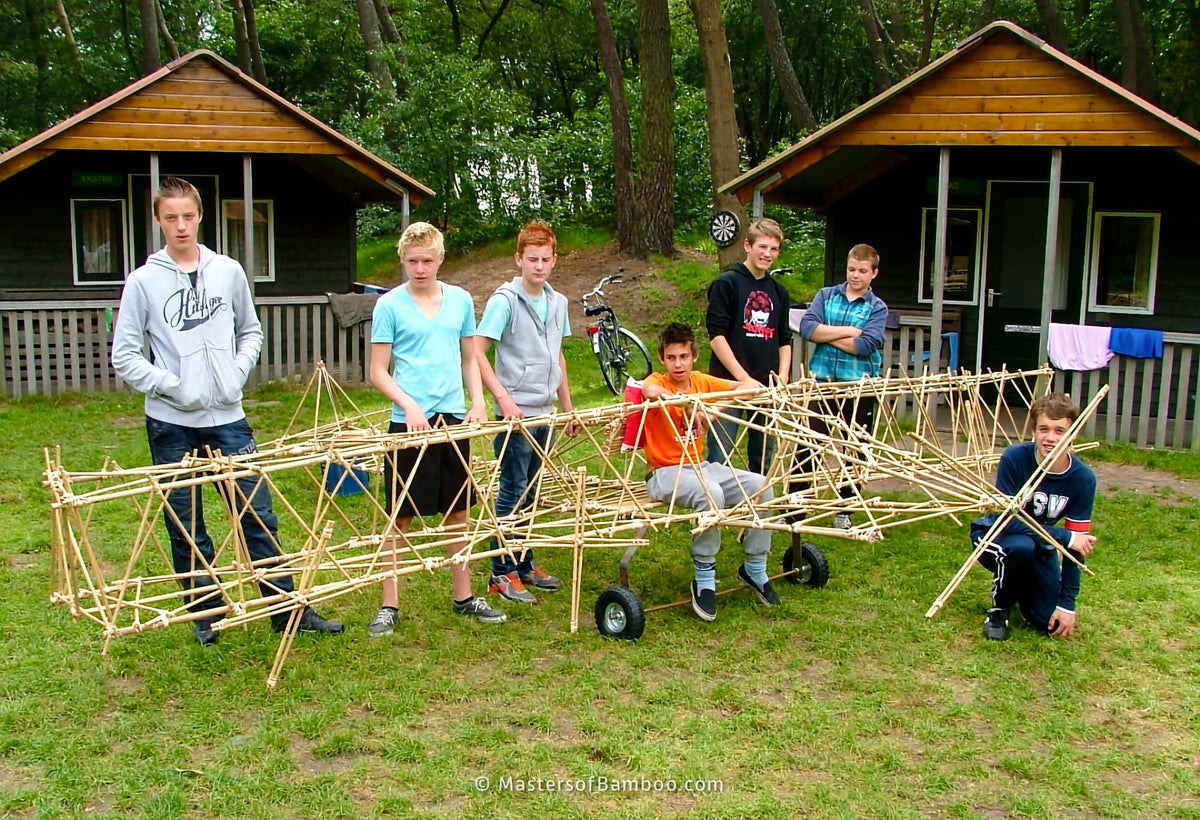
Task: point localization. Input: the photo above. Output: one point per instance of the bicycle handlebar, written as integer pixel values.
(613, 279)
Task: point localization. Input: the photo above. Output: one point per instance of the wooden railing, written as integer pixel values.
(1151, 402)
(53, 347)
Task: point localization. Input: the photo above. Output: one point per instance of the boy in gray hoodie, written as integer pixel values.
(196, 308)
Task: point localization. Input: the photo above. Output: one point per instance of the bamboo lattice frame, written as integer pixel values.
(111, 566)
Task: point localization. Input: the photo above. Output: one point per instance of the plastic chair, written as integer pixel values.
(951, 338)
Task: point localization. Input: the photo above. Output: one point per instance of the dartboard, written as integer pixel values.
(723, 228)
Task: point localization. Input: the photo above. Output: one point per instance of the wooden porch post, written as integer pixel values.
(248, 217)
(939, 260)
(154, 234)
(1051, 273)
(404, 211)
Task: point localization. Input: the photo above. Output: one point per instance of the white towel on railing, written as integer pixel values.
(1079, 347)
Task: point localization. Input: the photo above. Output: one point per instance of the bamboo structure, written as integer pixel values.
(111, 566)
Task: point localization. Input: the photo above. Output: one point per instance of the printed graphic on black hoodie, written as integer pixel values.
(757, 315)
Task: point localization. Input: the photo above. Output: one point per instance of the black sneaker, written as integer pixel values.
(765, 593)
(310, 623)
(478, 608)
(205, 635)
(704, 603)
(995, 626)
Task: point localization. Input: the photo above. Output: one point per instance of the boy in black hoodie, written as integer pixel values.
(748, 331)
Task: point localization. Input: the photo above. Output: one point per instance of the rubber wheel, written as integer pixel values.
(619, 614)
(637, 358)
(622, 357)
(809, 567)
(610, 364)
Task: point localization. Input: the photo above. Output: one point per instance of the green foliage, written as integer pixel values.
(378, 263)
(511, 119)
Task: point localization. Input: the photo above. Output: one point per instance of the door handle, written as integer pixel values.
(991, 296)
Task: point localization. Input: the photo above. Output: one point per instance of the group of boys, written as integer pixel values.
(427, 355)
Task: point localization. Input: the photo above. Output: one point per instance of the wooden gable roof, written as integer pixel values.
(201, 102)
(1001, 87)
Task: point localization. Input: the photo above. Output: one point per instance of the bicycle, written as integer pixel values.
(621, 354)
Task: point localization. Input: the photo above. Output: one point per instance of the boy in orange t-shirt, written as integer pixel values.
(672, 440)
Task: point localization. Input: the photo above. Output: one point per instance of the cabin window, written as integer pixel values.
(963, 240)
(98, 237)
(264, 235)
(1124, 262)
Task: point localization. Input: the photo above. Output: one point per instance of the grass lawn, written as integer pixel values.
(843, 702)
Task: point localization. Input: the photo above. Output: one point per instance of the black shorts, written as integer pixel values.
(439, 484)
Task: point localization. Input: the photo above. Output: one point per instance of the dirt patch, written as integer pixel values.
(307, 761)
(1165, 487)
(639, 302)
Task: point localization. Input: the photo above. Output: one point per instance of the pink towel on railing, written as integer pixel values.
(1079, 347)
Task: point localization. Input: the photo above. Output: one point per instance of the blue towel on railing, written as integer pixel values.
(1137, 342)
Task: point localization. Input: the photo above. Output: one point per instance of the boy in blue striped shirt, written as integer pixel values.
(847, 323)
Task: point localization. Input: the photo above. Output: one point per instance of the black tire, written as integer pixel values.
(637, 358)
(610, 363)
(622, 357)
(619, 614)
(809, 567)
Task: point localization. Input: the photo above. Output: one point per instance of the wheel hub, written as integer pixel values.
(615, 618)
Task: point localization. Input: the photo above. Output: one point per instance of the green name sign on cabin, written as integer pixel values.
(97, 179)
(970, 186)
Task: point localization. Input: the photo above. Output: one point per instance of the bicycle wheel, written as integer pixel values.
(634, 356)
(612, 367)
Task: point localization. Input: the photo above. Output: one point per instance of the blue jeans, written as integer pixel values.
(519, 466)
(723, 433)
(169, 443)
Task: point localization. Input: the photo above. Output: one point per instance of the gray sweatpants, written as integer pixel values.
(727, 487)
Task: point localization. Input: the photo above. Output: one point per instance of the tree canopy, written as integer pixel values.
(505, 106)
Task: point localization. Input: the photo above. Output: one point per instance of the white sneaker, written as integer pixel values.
(841, 521)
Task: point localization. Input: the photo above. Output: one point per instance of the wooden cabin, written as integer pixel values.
(75, 220)
(1054, 194)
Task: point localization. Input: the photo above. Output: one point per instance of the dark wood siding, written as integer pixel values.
(314, 224)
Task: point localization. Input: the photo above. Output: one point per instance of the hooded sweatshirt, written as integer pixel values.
(204, 340)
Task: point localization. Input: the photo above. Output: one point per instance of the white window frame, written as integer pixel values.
(1094, 263)
(974, 300)
(119, 229)
(227, 233)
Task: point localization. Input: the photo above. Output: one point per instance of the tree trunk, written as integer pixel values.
(256, 58)
(622, 143)
(879, 63)
(64, 23)
(239, 36)
(377, 67)
(721, 114)
(929, 15)
(491, 25)
(781, 61)
(41, 59)
(455, 24)
(1137, 69)
(1056, 32)
(172, 48)
(987, 12)
(897, 34)
(655, 202)
(386, 24)
(151, 58)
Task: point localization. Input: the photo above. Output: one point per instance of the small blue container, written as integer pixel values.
(359, 480)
